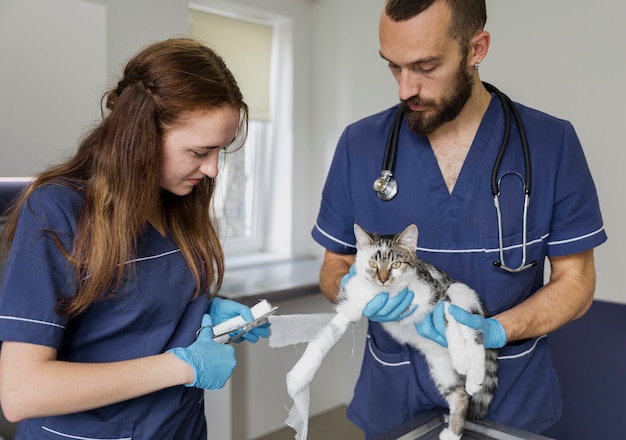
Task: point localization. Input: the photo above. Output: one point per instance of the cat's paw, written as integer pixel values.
(474, 379)
(472, 387)
(447, 434)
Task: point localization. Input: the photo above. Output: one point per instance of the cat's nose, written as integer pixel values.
(383, 276)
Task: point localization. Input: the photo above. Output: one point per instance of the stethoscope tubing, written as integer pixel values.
(386, 186)
(509, 108)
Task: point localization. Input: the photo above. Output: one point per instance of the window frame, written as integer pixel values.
(272, 205)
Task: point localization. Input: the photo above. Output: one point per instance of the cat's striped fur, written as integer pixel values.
(465, 372)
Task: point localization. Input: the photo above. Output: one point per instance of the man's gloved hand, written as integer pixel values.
(212, 363)
(433, 326)
(383, 308)
(346, 277)
(494, 335)
(221, 310)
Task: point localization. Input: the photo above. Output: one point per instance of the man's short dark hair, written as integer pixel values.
(468, 16)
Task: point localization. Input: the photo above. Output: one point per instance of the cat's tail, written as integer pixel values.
(480, 401)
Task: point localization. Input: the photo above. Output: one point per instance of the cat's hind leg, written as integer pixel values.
(457, 347)
(458, 402)
(450, 385)
(466, 353)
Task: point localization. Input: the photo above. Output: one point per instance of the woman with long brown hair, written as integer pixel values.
(112, 256)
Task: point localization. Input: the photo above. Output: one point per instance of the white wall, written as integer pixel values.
(562, 56)
(47, 62)
(565, 57)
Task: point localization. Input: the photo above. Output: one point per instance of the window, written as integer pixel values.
(252, 181)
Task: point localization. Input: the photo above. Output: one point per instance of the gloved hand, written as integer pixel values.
(433, 326)
(346, 277)
(212, 363)
(221, 310)
(494, 335)
(383, 308)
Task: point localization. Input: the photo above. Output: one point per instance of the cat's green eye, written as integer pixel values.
(373, 264)
(396, 265)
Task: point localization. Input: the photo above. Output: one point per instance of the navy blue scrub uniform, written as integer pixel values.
(151, 314)
(458, 233)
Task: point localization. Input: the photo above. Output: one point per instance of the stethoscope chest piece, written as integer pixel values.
(385, 186)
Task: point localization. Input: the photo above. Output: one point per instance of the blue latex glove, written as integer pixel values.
(494, 335)
(221, 310)
(433, 326)
(383, 308)
(212, 363)
(346, 277)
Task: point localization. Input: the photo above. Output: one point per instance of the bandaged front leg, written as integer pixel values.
(349, 309)
(301, 375)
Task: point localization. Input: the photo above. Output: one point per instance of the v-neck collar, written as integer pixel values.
(450, 204)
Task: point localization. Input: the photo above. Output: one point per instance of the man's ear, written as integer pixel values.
(479, 46)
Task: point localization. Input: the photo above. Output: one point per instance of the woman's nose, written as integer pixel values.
(208, 167)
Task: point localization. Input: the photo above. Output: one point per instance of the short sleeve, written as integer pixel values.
(334, 226)
(577, 221)
(37, 272)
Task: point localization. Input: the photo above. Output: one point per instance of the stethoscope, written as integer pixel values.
(386, 186)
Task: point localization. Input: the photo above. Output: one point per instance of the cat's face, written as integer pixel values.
(385, 259)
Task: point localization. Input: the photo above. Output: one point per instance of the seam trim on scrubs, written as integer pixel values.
(483, 250)
(524, 353)
(151, 257)
(327, 235)
(581, 237)
(380, 361)
(82, 438)
(35, 321)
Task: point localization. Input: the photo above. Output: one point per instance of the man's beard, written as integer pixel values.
(444, 111)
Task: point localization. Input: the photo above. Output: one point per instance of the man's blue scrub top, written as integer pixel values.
(151, 314)
(458, 233)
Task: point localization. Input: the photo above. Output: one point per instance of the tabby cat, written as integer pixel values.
(465, 372)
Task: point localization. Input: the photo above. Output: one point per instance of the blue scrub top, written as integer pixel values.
(152, 313)
(458, 233)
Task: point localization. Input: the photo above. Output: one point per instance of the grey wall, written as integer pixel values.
(52, 71)
(562, 56)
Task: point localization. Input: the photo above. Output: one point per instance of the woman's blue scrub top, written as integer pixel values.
(458, 233)
(151, 314)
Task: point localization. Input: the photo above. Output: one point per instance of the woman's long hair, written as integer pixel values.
(117, 168)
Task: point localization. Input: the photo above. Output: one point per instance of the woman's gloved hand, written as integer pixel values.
(385, 308)
(494, 335)
(212, 363)
(221, 309)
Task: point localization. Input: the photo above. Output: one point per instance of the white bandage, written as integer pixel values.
(301, 375)
(296, 329)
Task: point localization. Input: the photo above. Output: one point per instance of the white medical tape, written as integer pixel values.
(296, 329)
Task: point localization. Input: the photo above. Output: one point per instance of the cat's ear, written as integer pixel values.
(408, 238)
(362, 237)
